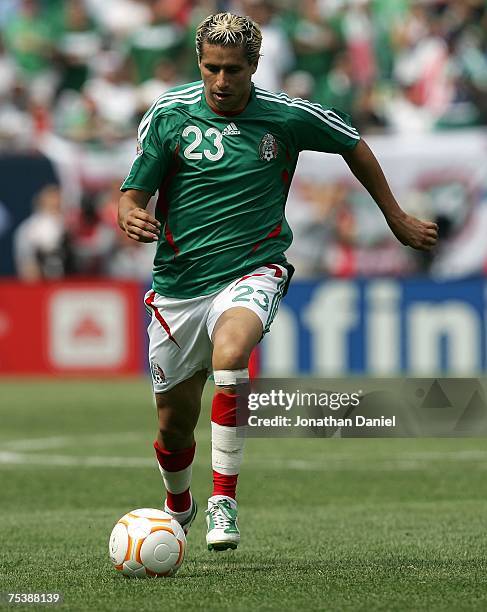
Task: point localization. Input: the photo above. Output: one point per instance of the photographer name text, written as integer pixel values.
(326, 421)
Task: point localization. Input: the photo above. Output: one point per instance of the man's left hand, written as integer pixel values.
(422, 235)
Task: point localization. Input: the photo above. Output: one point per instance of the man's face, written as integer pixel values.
(226, 74)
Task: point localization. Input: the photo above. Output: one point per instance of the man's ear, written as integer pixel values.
(254, 67)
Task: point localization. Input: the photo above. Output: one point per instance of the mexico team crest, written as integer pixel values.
(157, 373)
(268, 148)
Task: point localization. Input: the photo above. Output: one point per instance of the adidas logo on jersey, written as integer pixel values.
(231, 130)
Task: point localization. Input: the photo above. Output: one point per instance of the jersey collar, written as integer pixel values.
(246, 111)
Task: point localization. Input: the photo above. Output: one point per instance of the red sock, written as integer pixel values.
(178, 502)
(175, 467)
(225, 485)
(224, 413)
(224, 409)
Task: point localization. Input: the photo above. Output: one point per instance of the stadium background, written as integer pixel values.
(76, 76)
(395, 524)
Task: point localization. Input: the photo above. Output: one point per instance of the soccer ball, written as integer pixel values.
(147, 542)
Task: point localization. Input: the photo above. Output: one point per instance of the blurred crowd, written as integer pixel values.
(84, 241)
(85, 71)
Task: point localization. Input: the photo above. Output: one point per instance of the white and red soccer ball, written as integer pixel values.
(147, 542)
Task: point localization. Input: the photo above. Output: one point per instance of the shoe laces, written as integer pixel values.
(220, 513)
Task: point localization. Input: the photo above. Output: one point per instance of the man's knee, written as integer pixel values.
(236, 333)
(230, 355)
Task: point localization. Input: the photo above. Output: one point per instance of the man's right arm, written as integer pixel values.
(133, 218)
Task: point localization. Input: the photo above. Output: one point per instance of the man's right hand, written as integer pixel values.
(141, 226)
(134, 220)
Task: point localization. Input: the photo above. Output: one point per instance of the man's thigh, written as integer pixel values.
(178, 341)
(260, 291)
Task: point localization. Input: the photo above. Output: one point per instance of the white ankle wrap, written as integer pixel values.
(229, 378)
(226, 449)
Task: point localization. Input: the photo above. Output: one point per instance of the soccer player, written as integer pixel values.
(221, 153)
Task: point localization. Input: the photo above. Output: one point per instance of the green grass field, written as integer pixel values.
(326, 524)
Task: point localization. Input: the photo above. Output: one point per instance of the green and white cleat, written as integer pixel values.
(185, 519)
(221, 519)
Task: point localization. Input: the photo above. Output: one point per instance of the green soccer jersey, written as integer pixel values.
(223, 181)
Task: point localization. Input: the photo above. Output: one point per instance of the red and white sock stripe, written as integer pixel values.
(176, 470)
(227, 448)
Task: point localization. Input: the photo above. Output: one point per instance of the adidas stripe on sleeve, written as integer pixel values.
(313, 127)
(187, 96)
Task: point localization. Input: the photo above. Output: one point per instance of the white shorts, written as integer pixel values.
(180, 331)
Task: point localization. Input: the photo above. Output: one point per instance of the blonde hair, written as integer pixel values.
(227, 29)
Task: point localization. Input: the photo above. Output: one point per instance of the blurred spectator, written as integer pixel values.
(368, 110)
(77, 119)
(30, 38)
(41, 245)
(92, 238)
(277, 58)
(386, 17)
(127, 258)
(188, 62)
(162, 38)
(113, 94)
(358, 34)
(120, 17)
(8, 72)
(421, 64)
(131, 260)
(338, 87)
(77, 45)
(165, 77)
(468, 71)
(16, 126)
(299, 84)
(309, 215)
(314, 38)
(405, 114)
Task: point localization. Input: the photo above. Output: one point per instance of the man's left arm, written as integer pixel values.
(407, 229)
